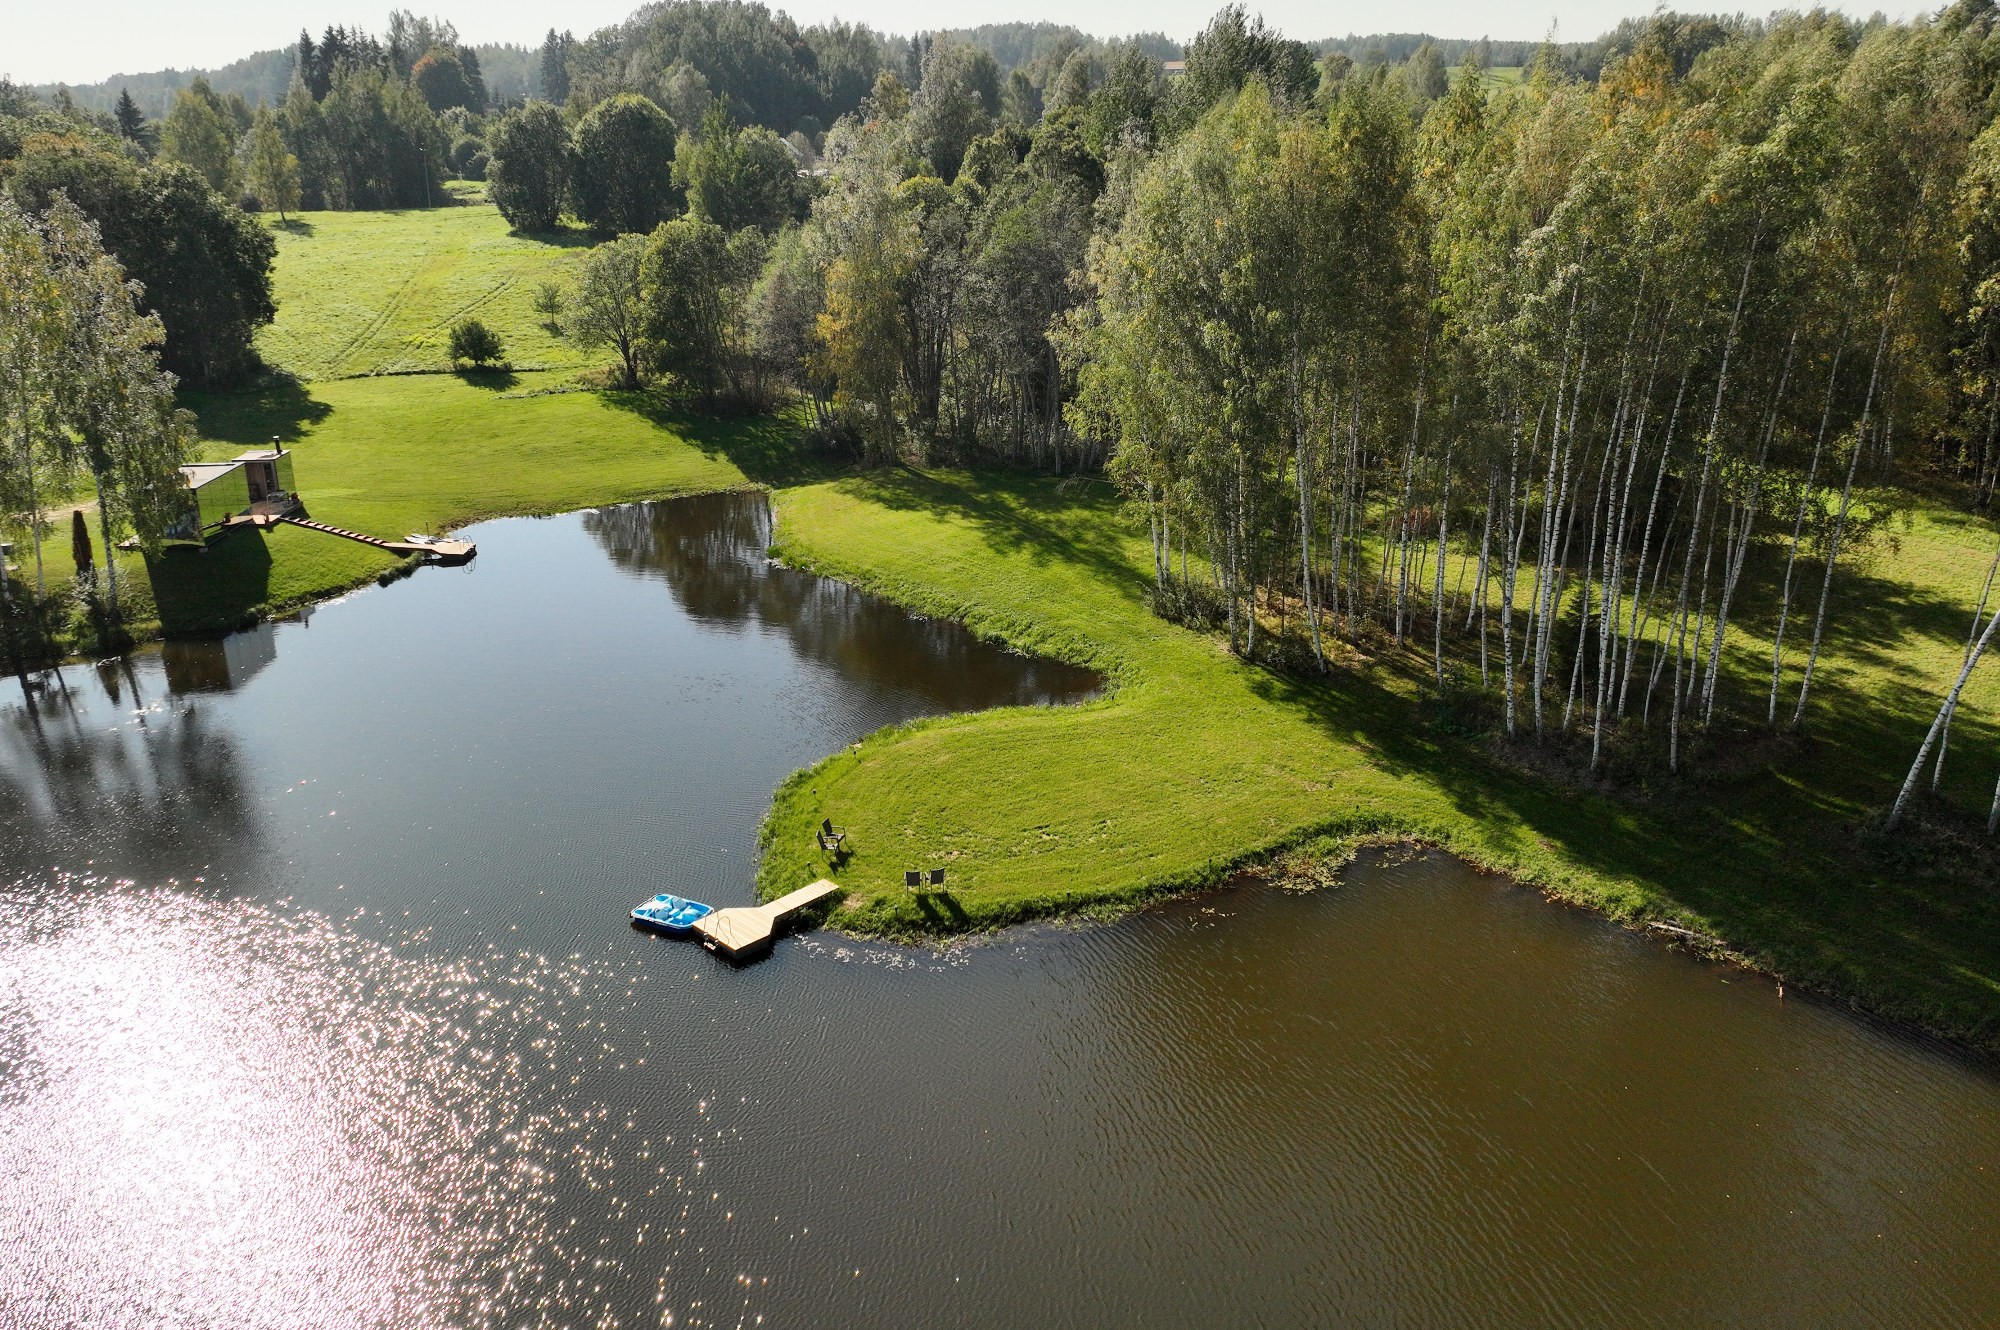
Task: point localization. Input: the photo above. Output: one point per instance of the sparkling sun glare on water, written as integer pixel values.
(218, 1114)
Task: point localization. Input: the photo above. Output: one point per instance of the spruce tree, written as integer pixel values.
(131, 120)
(555, 67)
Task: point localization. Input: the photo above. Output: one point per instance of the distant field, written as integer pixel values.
(377, 292)
(1500, 76)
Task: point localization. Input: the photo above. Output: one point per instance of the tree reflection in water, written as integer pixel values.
(712, 553)
(109, 763)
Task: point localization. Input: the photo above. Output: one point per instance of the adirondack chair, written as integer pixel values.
(828, 835)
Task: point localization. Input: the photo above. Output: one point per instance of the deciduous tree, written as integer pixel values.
(199, 134)
(621, 174)
(272, 171)
(528, 172)
(608, 306)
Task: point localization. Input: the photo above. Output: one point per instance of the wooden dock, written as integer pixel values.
(745, 931)
(436, 551)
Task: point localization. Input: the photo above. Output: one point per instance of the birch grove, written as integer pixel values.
(1564, 382)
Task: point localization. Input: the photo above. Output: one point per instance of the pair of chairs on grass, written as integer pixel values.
(830, 837)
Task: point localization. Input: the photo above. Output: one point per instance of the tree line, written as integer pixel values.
(1527, 378)
(377, 122)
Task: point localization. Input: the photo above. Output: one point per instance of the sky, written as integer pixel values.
(44, 42)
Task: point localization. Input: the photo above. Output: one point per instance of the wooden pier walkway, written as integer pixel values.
(743, 931)
(441, 551)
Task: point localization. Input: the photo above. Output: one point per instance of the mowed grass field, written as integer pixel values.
(1194, 763)
(377, 292)
(415, 447)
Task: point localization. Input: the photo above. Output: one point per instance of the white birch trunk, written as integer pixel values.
(1846, 497)
(1950, 701)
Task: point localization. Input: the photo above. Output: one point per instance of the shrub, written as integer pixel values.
(474, 341)
(462, 153)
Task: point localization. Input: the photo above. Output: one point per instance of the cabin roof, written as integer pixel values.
(201, 473)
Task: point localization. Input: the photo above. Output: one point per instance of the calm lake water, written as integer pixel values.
(318, 1007)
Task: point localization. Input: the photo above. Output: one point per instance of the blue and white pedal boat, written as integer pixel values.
(670, 914)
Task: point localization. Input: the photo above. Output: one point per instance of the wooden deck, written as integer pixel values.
(438, 551)
(744, 931)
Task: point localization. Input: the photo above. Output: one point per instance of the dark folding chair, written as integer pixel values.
(937, 878)
(913, 880)
(828, 835)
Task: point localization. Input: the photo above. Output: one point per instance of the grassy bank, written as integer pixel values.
(1196, 763)
(372, 295)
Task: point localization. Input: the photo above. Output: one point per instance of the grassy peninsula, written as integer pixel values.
(1195, 762)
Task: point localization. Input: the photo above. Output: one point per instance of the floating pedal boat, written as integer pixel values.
(670, 914)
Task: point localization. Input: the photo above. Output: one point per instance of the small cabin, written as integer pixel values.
(254, 482)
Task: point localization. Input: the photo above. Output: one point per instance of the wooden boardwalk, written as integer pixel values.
(439, 551)
(744, 931)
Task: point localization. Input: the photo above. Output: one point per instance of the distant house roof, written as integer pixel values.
(1173, 68)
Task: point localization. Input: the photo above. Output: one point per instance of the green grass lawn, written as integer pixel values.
(377, 292)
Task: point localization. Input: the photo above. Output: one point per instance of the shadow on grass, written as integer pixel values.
(491, 379)
(772, 451)
(297, 227)
(279, 407)
(942, 912)
(204, 591)
(1012, 511)
(562, 237)
(1876, 618)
